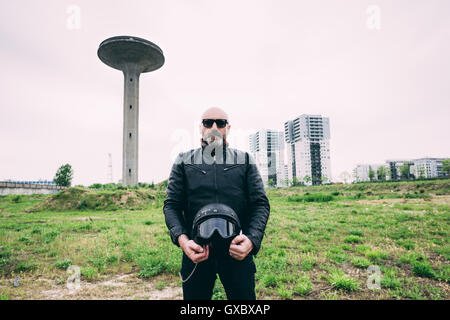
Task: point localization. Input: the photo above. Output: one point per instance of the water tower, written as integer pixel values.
(132, 56)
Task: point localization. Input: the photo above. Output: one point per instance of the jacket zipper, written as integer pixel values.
(192, 166)
(231, 167)
(215, 179)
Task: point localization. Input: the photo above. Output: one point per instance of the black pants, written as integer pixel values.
(237, 277)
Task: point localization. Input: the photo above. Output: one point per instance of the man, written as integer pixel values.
(216, 173)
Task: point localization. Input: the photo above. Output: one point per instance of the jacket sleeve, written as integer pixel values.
(175, 200)
(258, 206)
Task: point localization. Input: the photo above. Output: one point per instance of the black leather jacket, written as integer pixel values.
(232, 179)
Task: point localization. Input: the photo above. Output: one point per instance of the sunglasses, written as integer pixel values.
(208, 123)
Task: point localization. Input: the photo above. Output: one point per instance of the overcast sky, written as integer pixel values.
(380, 70)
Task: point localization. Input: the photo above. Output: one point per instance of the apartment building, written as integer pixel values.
(308, 149)
(427, 168)
(267, 148)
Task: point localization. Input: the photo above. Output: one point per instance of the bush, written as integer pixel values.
(16, 198)
(83, 205)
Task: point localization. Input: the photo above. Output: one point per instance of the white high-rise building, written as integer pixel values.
(267, 148)
(427, 168)
(308, 149)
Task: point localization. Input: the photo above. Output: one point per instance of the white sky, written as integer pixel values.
(386, 91)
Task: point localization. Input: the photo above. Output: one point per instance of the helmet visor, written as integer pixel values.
(225, 228)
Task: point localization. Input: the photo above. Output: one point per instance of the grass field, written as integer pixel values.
(319, 244)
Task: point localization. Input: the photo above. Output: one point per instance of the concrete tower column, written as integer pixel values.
(130, 155)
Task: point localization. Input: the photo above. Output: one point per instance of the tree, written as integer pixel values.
(381, 173)
(371, 173)
(63, 177)
(404, 170)
(271, 183)
(446, 166)
(307, 179)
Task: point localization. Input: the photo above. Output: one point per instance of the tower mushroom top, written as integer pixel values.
(118, 52)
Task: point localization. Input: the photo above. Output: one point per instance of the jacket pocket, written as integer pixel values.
(232, 167)
(195, 167)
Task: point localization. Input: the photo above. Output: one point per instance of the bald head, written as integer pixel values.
(210, 134)
(214, 113)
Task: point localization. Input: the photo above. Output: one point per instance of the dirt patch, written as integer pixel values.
(87, 218)
(389, 202)
(116, 287)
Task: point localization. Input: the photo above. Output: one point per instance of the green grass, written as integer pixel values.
(303, 285)
(63, 264)
(318, 243)
(311, 198)
(390, 279)
(89, 273)
(353, 239)
(341, 281)
(423, 269)
(360, 262)
(377, 256)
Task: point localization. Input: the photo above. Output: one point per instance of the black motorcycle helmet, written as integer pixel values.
(215, 224)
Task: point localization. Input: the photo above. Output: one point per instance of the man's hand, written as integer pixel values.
(194, 251)
(240, 247)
